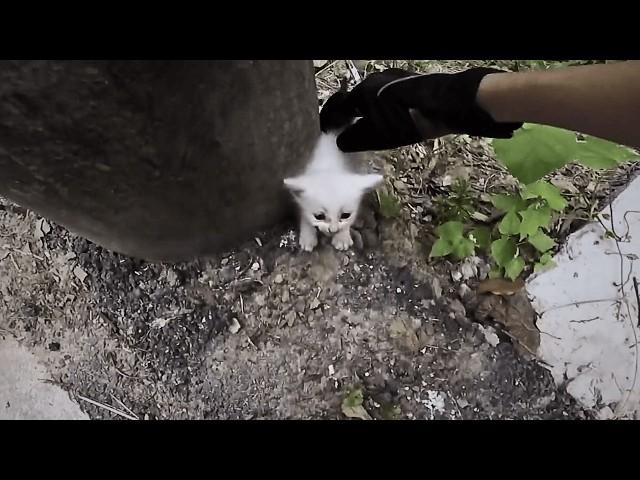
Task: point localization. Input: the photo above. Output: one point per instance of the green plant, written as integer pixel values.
(389, 205)
(451, 240)
(536, 150)
(458, 205)
(521, 237)
(526, 217)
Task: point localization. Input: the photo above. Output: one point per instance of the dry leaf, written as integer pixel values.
(235, 326)
(79, 273)
(564, 184)
(42, 228)
(499, 286)
(352, 406)
(517, 316)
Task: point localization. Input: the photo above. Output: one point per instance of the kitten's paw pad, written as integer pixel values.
(342, 242)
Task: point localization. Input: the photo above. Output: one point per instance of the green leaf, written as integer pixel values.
(514, 268)
(541, 241)
(463, 248)
(389, 205)
(441, 248)
(535, 150)
(544, 263)
(450, 230)
(508, 202)
(503, 250)
(452, 241)
(541, 267)
(546, 258)
(481, 236)
(547, 191)
(533, 218)
(597, 153)
(352, 405)
(495, 272)
(510, 224)
(390, 411)
(354, 398)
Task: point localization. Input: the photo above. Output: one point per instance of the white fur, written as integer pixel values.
(329, 188)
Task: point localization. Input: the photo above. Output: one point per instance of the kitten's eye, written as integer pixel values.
(319, 216)
(344, 216)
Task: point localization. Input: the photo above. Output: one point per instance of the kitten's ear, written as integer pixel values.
(370, 181)
(295, 185)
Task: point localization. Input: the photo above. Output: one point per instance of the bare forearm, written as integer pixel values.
(599, 100)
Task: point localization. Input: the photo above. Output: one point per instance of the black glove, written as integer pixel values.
(400, 108)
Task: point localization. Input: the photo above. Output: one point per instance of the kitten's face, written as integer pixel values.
(330, 202)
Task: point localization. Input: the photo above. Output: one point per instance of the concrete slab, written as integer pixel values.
(589, 311)
(23, 393)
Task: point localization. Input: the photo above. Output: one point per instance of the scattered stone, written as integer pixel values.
(79, 273)
(290, 317)
(285, 296)
(227, 274)
(468, 270)
(300, 305)
(278, 279)
(172, 277)
(490, 335)
(464, 291)
(42, 228)
(436, 289)
(235, 326)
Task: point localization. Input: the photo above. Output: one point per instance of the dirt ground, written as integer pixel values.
(158, 338)
(269, 332)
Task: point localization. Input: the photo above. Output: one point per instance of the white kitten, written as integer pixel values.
(328, 195)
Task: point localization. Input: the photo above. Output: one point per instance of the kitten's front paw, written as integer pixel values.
(308, 241)
(342, 240)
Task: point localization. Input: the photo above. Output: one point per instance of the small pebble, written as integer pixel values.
(285, 296)
(235, 326)
(465, 291)
(290, 318)
(255, 267)
(278, 279)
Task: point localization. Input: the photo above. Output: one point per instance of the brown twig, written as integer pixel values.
(124, 406)
(584, 321)
(635, 288)
(107, 407)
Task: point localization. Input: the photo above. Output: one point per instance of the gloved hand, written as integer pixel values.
(400, 108)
